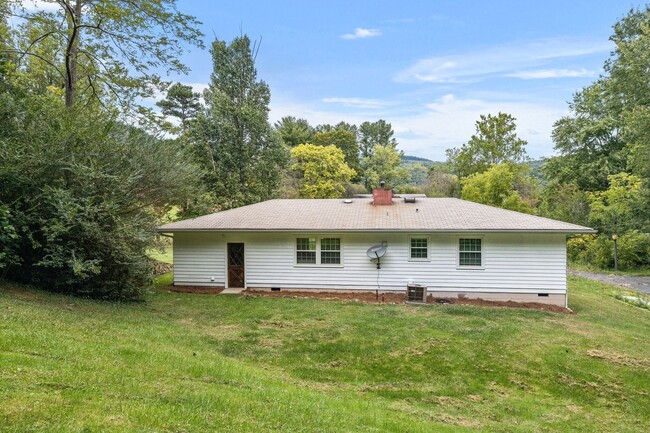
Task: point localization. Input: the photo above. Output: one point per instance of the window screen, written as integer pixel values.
(469, 252)
(330, 251)
(306, 250)
(419, 248)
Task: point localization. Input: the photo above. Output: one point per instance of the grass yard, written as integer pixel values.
(204, 363)
(165, 253)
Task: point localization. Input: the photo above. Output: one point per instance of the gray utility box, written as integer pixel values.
(416, 293)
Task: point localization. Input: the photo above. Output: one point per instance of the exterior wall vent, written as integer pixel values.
(416, 293)
(543, 295)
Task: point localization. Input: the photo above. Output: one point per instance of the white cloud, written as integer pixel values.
(496, 61)
(41, 5)
(198, 87)
(315, 115)
(552, 73)
(358, 102)
(448, 121)
(361, 33)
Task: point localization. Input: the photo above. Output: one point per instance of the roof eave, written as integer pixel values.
(412, 230)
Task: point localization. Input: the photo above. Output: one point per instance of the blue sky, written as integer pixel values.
(428, 67)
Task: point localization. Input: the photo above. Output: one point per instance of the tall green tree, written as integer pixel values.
(9, 241)
(109, 48)
(322, 171)
(565, 202)
(607, 130)
(324, 127)
(345, 126)
(376, 133)
(619, 208)
(417, 174)
(604, 149)
(628, 64)
(294, 131)
(80, 191)
(441, 182)
(384, 165)
(638, 148)
(341, 126)
(6, 42)
(630, 82)
(495, 142)
(588, 141)
(502, 185)
(345, 140)
(233, 139)
(181, 102)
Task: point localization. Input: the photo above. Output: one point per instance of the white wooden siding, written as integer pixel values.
(517, 263)
(198, 259)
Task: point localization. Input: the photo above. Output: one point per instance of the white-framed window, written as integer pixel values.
(311, 250)
(470, 252)
(330, 251)
(306, 251)
(418, 248)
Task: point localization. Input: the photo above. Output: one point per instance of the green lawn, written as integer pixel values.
(194, 363)
(163, 254)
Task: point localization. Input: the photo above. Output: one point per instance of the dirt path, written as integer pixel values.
(642, 284)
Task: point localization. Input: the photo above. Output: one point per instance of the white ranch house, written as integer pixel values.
(452, 247)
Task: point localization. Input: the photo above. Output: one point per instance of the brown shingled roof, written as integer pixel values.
(426, 214)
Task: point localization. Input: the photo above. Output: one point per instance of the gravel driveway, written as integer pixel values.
(642, 284)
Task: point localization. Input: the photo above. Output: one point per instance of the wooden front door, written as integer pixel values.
(235, 265)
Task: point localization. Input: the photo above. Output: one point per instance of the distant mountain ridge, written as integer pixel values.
(414, 158)
(408, 160)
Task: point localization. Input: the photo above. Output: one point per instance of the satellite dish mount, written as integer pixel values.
(376, 252)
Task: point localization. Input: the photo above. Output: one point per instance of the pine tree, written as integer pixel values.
(233, 137)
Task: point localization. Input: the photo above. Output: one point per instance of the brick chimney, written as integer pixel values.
(382, 196)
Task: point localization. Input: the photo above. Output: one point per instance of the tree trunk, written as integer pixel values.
(73, 15)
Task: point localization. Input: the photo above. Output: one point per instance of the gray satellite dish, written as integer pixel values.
(377, 252)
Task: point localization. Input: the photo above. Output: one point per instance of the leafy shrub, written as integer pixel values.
(598, 251)
(502, 185)
(8, 240)
(78, 192)
(352, 189)
(634, 250)
(577, 246)
(407, 189)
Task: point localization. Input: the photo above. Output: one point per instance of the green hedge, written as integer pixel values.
(598, 251)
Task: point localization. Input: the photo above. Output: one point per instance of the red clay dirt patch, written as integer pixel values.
(197, 290)
(400, 298)
(367, 297)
